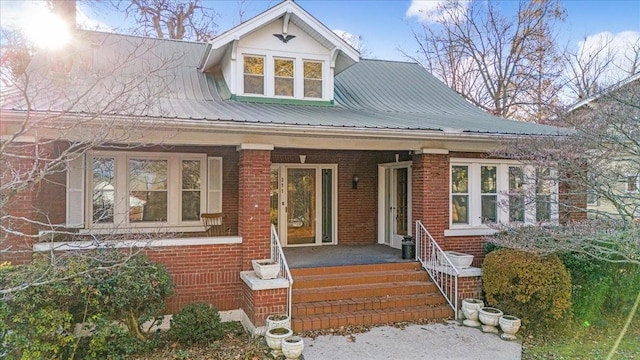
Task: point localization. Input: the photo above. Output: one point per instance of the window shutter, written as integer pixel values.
(75, 191)
(214, 185)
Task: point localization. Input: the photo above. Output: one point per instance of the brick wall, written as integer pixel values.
(254, 223)
(431, 179)
(473, 245)
(469, 287)
(259, 304)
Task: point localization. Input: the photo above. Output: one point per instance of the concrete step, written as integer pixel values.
(362, 290)
(368, 303)
(354, 278)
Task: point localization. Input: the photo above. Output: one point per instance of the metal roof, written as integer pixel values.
(133, 77)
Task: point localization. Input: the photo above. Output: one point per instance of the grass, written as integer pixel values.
(590, 342)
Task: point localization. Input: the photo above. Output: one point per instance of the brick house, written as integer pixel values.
(276, 121)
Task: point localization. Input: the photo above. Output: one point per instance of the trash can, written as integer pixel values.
(408, 248)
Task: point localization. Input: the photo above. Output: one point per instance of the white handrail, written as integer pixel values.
(277, 255)
(441, 270)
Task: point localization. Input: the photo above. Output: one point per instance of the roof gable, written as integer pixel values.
(286, 13)
(610, 89)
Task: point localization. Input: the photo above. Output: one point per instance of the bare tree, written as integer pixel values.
(588, 67)
(171, 19)
(598, 162)
(504, 65)
(67, 102)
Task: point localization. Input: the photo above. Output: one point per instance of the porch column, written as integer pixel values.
(254, 223)
(430, 181)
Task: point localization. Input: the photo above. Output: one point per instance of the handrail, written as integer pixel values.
(441, 270)
(277, 255)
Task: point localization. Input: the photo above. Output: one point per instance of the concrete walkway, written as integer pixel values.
(433, 341)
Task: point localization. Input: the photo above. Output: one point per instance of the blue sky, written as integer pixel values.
(384, 24)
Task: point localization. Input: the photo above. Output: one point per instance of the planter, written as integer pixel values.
(274, 338)
(458, 259)
(278, 320)
(470, 310)
(266, 269)
(489, 317)
(292, 347)
(510, 326)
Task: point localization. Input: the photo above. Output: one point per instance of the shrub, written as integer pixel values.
(535, 288)
(196, 324)
(601, 289)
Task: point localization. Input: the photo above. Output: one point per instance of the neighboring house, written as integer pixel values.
(614, 189)
(302, 133)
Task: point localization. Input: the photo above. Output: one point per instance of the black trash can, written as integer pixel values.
(408, 248)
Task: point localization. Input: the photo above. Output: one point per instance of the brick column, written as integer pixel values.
(254, 223)
(430, 202)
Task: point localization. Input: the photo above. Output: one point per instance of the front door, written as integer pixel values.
(303, 196)
(395, 203)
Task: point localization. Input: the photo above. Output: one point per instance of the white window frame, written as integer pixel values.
(293, 78)
(121, 180)
(264, 73)
(475, 195)
(322, 79)
(298, 78)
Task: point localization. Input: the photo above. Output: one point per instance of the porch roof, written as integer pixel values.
(371, 94)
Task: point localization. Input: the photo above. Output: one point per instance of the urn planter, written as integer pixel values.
(278, 320)
(489, 318)
(292, 347)
(458, 259)
(510, 326)
(274, 339)
(470, 310)
(266, 269)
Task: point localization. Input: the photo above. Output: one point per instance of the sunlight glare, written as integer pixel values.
(47, 30)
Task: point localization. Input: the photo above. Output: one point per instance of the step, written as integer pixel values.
(362, 290)
(370, 317)
(296, 272)
(369, 277)
(368, 303)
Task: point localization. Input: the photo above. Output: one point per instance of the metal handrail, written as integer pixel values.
(277, 255)
(441, 270)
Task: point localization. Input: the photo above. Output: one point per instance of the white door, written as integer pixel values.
(395, 203)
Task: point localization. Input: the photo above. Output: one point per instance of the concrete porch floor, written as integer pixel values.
(338, 255)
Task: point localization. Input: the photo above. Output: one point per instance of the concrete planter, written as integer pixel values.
(470, 310)
(278, 320)
(458, 259)
(489, 317)
(274, 338)
(266, 269)
(510, 326)
(292, 347)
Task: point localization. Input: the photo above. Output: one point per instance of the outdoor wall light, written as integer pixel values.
(354, 183)
(303, 158)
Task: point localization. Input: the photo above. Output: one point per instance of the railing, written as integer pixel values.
(443, 273)
(277, 255)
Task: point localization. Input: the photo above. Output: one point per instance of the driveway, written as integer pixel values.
(423, 342)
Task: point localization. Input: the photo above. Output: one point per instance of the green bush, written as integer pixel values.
(535, 288)
(196, 324)
(600, 289)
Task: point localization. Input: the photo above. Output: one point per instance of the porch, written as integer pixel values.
(341, 255)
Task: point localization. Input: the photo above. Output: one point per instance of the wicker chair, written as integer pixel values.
(214, 224)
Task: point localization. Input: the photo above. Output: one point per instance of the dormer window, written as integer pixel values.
(312, 79)
(283, 77)
(254, 75)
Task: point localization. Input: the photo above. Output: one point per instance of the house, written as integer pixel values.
(609, 120)
(276, 121)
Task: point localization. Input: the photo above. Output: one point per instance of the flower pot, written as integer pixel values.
(470, 310)
(292, 347)
(510, 326)
(278, 320)
(266, 269)
(458, 259)
(274, 338)
(489, 317)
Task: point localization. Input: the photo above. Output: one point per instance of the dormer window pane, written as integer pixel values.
(283, 71)
(312, 79)
(254, 75)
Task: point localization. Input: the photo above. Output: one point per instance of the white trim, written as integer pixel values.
(249, 146)
(145, 229)
(432, 151)
(470, 232)
(91, 245)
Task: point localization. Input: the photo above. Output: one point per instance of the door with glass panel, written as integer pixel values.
(302, 204)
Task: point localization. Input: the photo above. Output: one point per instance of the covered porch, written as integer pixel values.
(341, 255)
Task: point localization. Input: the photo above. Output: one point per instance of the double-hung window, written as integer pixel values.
(135, 189)
(487, 191)
(254, 75)
(312, 79)
(283, 77)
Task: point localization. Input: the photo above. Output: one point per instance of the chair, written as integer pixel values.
(214, 224)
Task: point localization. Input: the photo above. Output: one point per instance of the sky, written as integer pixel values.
(385, 25)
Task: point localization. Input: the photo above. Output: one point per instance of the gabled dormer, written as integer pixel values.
(282, 55)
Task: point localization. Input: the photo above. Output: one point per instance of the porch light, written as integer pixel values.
(354, 183)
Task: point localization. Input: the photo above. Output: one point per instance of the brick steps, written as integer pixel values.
(337, 296)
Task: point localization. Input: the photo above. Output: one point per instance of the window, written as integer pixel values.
(133, 189)
(483, 192)
(283, 77)
(312, 79)
(254, 75)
